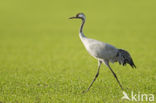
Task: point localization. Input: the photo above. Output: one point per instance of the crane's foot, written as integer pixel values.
(85, 91)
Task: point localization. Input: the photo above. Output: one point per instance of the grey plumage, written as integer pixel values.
(103, 52)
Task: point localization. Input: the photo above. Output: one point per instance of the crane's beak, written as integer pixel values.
(72, 17)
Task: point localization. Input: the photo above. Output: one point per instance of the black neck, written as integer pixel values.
(81, 28)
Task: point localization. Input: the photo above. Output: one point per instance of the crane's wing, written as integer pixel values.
(123, 57)
(100, 49)
(108, 52)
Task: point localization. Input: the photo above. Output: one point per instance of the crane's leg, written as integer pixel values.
(107, 63)
(97, 74)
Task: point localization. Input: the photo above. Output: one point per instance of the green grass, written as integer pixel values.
(43, 60)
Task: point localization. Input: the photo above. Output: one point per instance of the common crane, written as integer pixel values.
(103, 52)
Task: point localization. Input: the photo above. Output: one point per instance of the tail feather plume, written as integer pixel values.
(123, 57)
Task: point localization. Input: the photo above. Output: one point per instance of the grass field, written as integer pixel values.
(43, 60)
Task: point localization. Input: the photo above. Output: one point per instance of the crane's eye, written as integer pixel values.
(78, 15)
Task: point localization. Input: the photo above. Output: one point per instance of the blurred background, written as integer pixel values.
(40, 46)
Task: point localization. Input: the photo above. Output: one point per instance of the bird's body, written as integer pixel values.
(103, 52)
(100, 50)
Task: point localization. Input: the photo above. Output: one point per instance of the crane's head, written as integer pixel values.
(79, 16)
